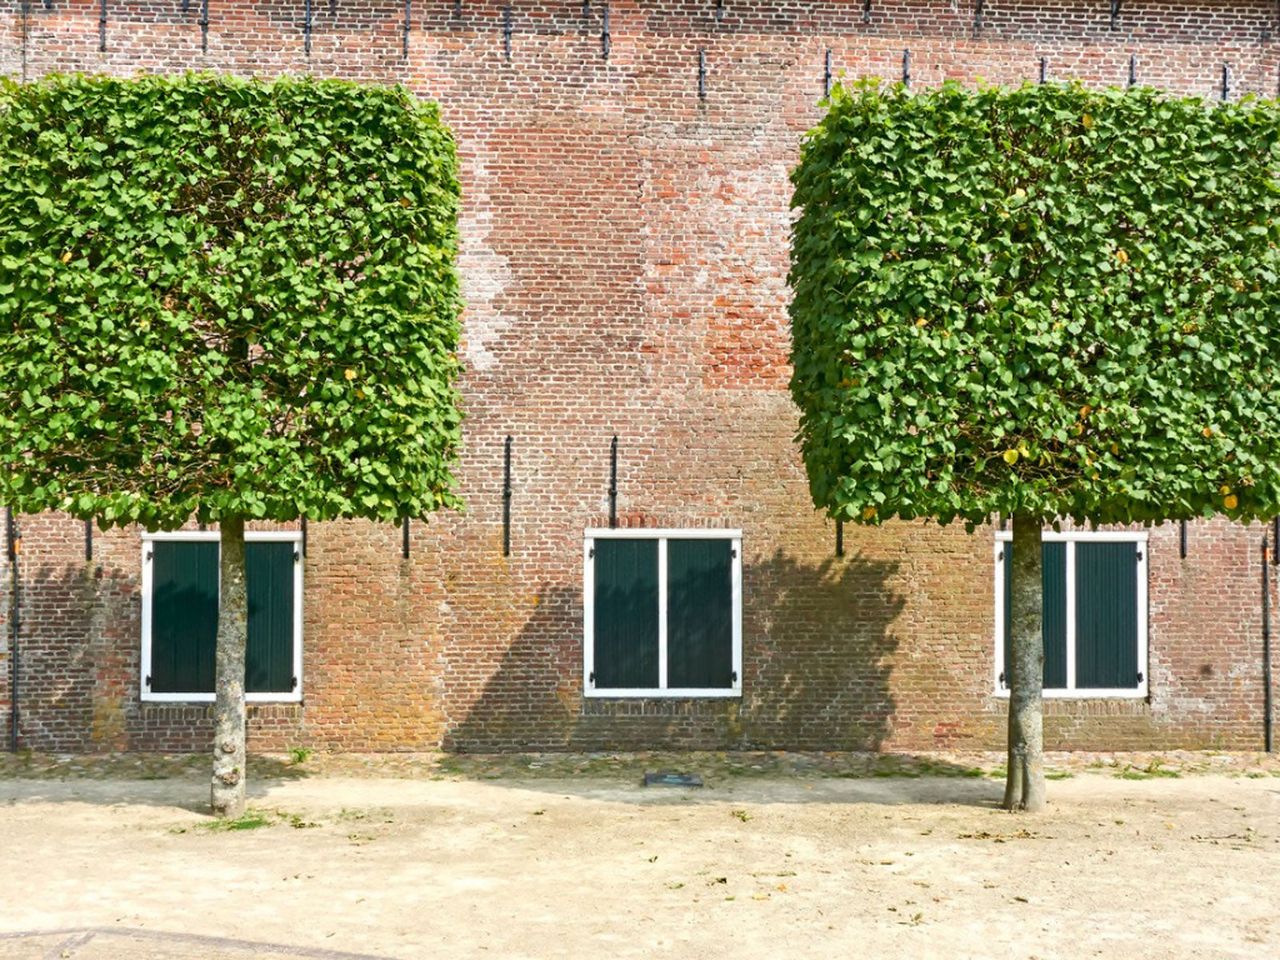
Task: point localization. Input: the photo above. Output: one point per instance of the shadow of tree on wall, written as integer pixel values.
(817, 640)
(57, 658)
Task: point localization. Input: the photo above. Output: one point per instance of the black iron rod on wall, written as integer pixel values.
(408, 25)
(404, 538)
(102, 26)
(613, 483)
(204, 26)
(88, 539)
(826, 76)
(506, 498)
(606, 39)
(839, 538)
(306, 26)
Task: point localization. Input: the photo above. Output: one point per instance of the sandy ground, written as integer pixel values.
(758, 868)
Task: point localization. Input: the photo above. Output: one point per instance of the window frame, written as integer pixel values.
(662, 535)
(204, 536)
(1071, 538)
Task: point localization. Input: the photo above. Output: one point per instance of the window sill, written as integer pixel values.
(295, 697)
(633, 694)
(1138, 693)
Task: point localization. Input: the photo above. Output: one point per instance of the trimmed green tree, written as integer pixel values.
(226, 300)
(1043, 304)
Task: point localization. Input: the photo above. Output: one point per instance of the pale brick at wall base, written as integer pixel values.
(624, 255)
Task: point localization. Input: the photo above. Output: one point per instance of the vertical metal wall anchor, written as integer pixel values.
(606, 40)
(613, 483)
(88, 539)
(506, 498)
(302, 526)
(702, 74)
(979, 14)
(826, 75)
(866, 11)
(408, 25)
(204, 26)
(839, 538)
(507, 30)
(1115, 14)
(404, 538)
(1182, 539)
(306, 26)
(457, 9)
(102, 26)
(1133, 69)
(719, 10)
(1044, 69)
(1226, 82)
(906, 68)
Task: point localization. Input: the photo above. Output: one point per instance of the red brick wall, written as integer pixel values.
(624, 259)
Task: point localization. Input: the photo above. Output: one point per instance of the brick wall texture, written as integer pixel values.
(624, 258)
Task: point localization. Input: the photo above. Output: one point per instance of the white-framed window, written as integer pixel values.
(662, 613)
(180, 616)
(1095, 613)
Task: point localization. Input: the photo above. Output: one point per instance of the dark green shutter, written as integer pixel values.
(699, 614)
(1106, 615)
(184, 615)
(1053, 580)
(626, 614)
(269, 581)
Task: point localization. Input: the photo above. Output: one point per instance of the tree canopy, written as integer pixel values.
(224, 297)
(1049, 301)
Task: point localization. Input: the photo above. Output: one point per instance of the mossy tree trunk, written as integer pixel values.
(1025, 788)
(227, 790)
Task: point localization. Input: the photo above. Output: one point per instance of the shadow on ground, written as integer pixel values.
(136, 779)
(106, 944)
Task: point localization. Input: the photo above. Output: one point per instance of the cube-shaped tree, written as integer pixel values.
(1042, 304)
(226, 300)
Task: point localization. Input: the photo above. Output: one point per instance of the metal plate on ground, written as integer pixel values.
(669, 779)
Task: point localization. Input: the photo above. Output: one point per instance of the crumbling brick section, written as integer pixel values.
(624, 257)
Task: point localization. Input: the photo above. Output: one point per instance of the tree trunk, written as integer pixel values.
(1024, 788)
(226, 795)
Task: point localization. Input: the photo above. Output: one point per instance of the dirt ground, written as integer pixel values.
(776, 856)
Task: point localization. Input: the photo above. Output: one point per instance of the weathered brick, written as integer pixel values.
(624, 255)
